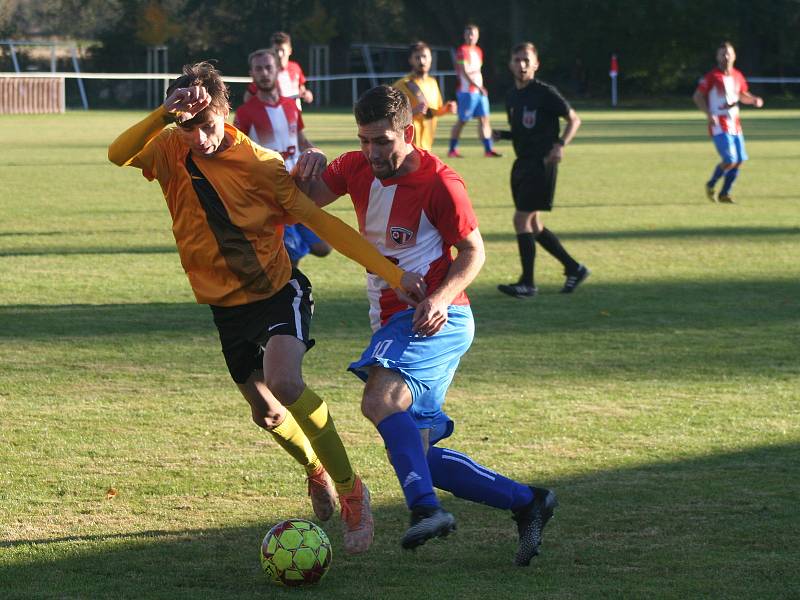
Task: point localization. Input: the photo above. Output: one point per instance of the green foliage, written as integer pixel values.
(660, 400)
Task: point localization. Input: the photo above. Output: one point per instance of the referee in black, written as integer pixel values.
(534, 109)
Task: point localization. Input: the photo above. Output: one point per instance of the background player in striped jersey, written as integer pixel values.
(423, 93)
(415, 209)
(472, 97)
(276, 123)
(718, 95)
(228, 198)
(291, 79)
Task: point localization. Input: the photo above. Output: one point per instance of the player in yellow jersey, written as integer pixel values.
(229, 199)
(423, 92)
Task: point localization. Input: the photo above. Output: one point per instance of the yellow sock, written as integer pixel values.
(292, 439)
(313, 418)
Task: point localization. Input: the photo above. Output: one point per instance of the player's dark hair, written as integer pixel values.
(724, 44)
(280, 37)
(262, 52)
(471, 26)
(383, 102)
(418, 46)
(203, 74)
(524, 47)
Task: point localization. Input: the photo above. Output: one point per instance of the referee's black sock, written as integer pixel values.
(527, 253)
(550, 242)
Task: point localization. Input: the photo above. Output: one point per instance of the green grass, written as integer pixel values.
(661, 401)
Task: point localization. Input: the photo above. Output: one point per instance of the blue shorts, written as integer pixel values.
(730, 147)
(472, 104)
(427, 364)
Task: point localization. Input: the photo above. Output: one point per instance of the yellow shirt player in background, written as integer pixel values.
(423, 93)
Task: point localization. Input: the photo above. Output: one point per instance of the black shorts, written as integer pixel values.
(244, 330)
(533, 184)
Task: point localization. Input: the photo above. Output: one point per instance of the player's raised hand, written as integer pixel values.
(310, 165)
(185, 103)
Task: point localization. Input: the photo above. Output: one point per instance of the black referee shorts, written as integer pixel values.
(244, 330)
(533, 184)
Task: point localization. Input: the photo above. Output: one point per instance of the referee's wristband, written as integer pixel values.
(561, 142)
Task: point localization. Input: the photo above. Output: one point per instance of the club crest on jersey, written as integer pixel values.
(400, 235)
(529, 118)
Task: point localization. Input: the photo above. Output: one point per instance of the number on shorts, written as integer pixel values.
(381, 348)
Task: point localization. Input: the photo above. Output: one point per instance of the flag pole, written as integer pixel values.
(613, 72)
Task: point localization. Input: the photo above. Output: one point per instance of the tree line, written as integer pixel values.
(663, 45)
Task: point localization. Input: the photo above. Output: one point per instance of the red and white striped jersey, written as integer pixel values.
(290, 79)
(273, 126)
(413, 220)
(471, 60)
(722, 94)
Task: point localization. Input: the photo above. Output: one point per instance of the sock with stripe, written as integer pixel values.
(718, 172)
(313, 418)
(404, 445)
(552, 244)
(291, 438)
(458, 474)
(727, 184)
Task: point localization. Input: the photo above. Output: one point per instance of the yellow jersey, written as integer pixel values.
(228, 212)
(422, 91)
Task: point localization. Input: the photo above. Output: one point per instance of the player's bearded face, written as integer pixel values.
(384, 148)
(264, 71)
(421, 62)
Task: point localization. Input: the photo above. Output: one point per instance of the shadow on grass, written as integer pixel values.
(716, 526)
(681, 233)
(98, 251)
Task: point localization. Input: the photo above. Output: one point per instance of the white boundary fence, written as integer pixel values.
(167, 77)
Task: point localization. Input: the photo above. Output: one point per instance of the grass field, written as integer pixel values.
(661, 400)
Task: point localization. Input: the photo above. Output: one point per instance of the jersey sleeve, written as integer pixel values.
(241, 119)
(556, 103)
(333, 230)
(451, 210)
(301, 77)
(743, 87)
(460, 55)
(143, 145)
(705, 84)
(335, 175)
(252, 89)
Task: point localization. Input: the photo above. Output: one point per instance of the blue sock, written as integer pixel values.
(453, 144)
(464, 478)
(718, 172)
(408, 459)
(730, 177)
(487, 144)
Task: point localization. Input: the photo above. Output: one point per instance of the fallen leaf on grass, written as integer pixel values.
(111, 493)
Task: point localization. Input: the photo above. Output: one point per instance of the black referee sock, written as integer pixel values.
(527, 253)
(550, 242)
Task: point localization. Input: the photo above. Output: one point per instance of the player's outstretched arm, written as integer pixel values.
(181, 105)
(751, 99)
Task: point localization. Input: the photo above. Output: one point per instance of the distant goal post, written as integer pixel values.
(32, 95)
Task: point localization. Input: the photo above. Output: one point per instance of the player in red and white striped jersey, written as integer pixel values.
(718, 95)
(414, 209)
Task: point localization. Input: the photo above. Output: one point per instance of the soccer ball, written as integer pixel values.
(295, 552)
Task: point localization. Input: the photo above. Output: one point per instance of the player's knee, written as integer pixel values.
(286, 387)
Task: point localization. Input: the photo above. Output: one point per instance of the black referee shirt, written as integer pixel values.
(533, 113)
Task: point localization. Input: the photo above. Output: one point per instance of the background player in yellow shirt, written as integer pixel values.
(229, 199)
(423, 93)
